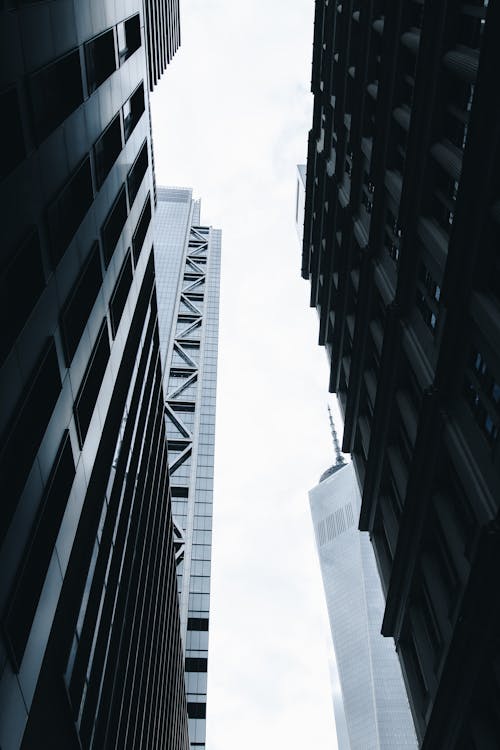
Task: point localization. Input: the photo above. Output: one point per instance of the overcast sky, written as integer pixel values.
(230, 119)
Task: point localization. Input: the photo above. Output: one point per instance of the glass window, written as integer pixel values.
(113, 225)
(120, 293)
(91, 383)
(132, 110)
(100, 59)
(80, 302)
(55, 92)
(107, 149)
(67, 211)
(129, 37)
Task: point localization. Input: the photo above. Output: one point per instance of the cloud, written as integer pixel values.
(230, 119)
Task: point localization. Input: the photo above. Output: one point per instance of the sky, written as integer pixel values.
(230, 119)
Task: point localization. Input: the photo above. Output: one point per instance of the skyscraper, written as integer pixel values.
(401, 249)
(371, 708)
(90, 649)
(187, 257)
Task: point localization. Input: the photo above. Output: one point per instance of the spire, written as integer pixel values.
(339, 458)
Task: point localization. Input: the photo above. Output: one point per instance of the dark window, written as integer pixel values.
(180, 492)
(132, 110)
(55, 92)
(107, 149)
(120, 293)
(31, 576)
(20, 445)
(197, 623)
(129, 37)
(113, 225)
(137, 172)
(197, 710)
(91, 383)
(21, 284)
(80, 302)
(67, 211)
(100, 59)
(141, 229)
(12, 141)
(196, 664)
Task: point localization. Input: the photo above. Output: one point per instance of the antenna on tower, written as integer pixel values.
(339, 458)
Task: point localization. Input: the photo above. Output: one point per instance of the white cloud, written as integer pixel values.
(230, 119)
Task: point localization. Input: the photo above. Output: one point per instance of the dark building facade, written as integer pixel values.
(90, 647)
(401, 246)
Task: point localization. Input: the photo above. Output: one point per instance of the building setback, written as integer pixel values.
(90, 648)
(401, 239)
(187, 257)
(371, 707)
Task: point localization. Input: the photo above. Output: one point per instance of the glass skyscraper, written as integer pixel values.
(187, 258)
(90, 645)
(369, 698)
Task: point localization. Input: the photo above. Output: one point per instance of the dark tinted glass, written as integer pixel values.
(141, 229)
(107, 149)
(21, 284)
(132, 110)
(80, 302)
(31, 576)
(66, 213)
(129, 37)
(12, 149)
(195, 664)
(100, 59)
(55, 92)
(20, 445)
(113, 225)
(197, 623)
(137, 172)
(120, 293)
(197, 710)
(91, 383)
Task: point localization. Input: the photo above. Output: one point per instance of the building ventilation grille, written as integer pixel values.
(335, 524)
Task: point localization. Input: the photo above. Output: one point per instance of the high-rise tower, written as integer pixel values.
(90, 648)
(401, 239)
(187, 257)
(371, 708)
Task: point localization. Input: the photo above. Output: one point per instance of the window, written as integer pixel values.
(32, 415)
(137, 172)
(195, 664)
(197, 623)
(66, 212)
(129, 37)
(141, 229)
(180, 491)
(197, 710)
(31, 576)
(100, 59)
(482, 392)
(132, 110)
(113, 225)
(91, 383)
(55, 92)
(120, 293)
(21, 284)
(107, 149)
(12, 141)
(80, 302)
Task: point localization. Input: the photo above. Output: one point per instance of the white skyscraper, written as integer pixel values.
(187, 260)
(370, 703)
